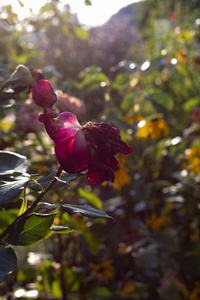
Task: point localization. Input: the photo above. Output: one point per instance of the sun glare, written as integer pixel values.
(99, 12)
(96, 14)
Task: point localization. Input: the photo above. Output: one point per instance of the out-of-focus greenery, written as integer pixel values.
(143, 78)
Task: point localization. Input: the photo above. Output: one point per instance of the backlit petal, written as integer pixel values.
(61, 128)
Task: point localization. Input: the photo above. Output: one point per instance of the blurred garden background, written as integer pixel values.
(139, 72)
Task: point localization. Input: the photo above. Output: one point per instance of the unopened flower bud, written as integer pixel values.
(21, 77)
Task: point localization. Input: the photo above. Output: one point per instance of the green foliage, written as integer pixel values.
(188, 106)
(13, 176)
(151, 251)
(127, 102)
(162, 101)
(91, 78)
(6, 219)
(81, 33)
(84, 210)
(9, 191)
(30, 230)
(12, 163)
(43, 181)
(92, 198)
(61, 229)
(88, 2)
(101, 293)
(8, 262)
(21, 3)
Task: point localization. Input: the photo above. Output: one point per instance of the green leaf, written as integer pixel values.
(56, 289)
(8, 262)
(196, 144)
(45, 180)
(101, 293)
(161, 101)
(46, 205)
(37, 183)
(71, 280)
(85, 210)
(46, 7)
(72, 222)
(30, 230)
(81, 33)
(121, 82)
(26, 275)
(92, 198)
(61, 229)
(23, 206)
(190, 104)
(20, 3)
(10, 190)
(5, 220)
(127, 101)
(88, 3)
(91, 79)
(92, 243)
(11, 162)
(66, 31)
(45, 173)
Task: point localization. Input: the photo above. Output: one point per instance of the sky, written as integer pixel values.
(97, 14)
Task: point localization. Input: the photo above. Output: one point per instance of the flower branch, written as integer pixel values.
(34, 204)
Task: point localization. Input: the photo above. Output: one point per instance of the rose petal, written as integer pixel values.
(98, 173)
(61, 128)
(72, 153)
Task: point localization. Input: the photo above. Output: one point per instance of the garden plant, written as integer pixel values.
(100, 154)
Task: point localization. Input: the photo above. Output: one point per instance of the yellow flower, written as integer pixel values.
(195, 294)
(156, 128)
(192, 152)
(181, 56)
(104, 270)
(6, 124)
(121, 174)
(133, 118)
(155, 222)
(193, 160)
